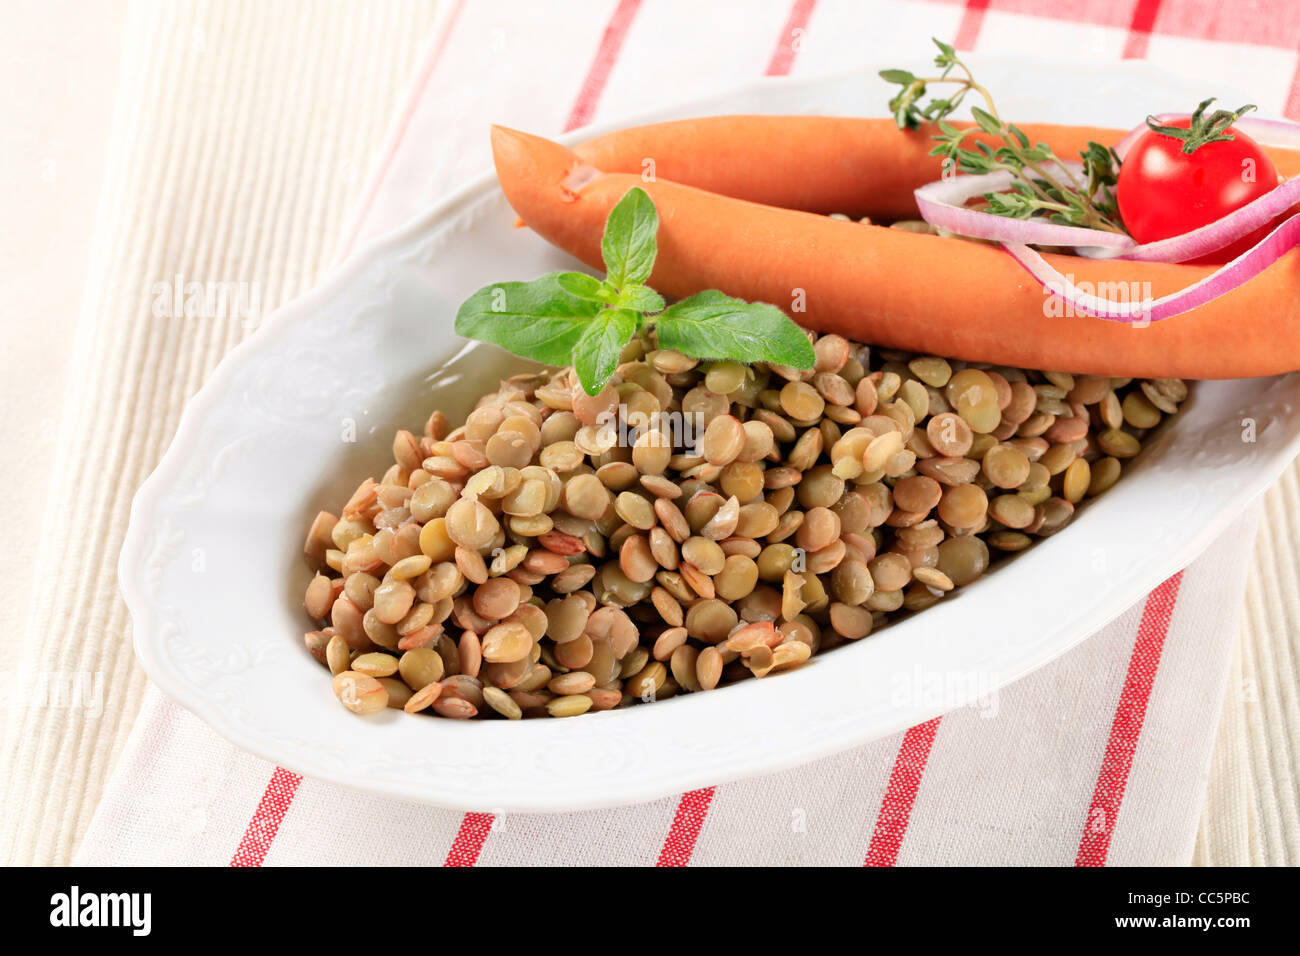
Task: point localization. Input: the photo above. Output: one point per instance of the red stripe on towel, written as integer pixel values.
(606, 54)
(474, 830)
(266, 818)
(972, 19)
(904, 782)
(1140, 29)
(787, 47)
(680, 842)
(1127, 724)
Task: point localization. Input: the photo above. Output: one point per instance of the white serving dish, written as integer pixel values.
(213, 575)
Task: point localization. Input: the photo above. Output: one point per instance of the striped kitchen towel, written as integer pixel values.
(1098, 758)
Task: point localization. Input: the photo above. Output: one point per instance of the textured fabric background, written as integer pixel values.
(242, 135)
(241, 138)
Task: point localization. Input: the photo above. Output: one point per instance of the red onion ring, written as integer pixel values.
(1237, 272)
(942, 204)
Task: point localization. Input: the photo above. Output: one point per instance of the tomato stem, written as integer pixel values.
(1202, 129)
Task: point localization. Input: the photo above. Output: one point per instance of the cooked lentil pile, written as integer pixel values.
(561, 553)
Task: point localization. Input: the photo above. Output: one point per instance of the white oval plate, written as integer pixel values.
(213, 574)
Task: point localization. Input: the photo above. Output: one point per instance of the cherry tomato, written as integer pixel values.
(1164, 192)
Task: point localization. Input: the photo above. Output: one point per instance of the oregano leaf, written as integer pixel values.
(595, 354)
(640, 298)
(580, 284)
(713, 325)
(539, 320)
(630, 244)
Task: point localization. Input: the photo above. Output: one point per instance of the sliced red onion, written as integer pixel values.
(942, 204)
(1237, 272)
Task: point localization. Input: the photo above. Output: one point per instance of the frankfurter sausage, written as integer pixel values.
(892, 288)
(824, 164)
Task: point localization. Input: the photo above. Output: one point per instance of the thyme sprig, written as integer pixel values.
(1042, 186)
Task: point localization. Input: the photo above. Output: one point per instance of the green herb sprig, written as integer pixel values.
(1041, 185)
(573, 318)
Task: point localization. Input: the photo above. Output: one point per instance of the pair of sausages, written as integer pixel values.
(743, 203)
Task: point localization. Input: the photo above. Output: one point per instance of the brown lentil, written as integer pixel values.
(974, 397)
(1118, 444)
(360, 693)
(423, 698)
(1105, 472)
(528, 564)
(507, 642)
(852, 622)
(375, 664)
(1012, 511)
(1077, 479)
(502, 703)
(457, 708)
(392, 600)
(949, 434)
(570, 705)
(963, 506)
(1006, 466)
(801, 402)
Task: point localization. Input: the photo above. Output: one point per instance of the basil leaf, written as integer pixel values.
(595, 354)
(540, 320)
(580, 284)
(712, 325)
(641, 298)
(629, 245)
